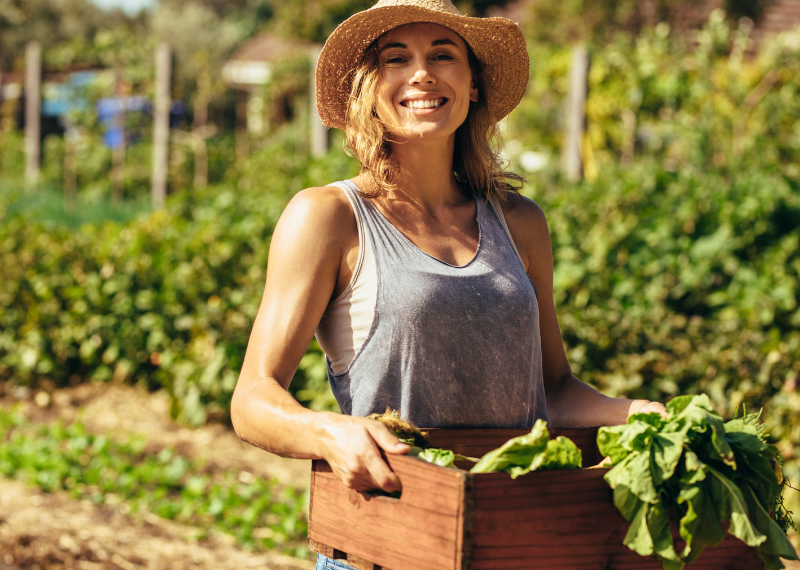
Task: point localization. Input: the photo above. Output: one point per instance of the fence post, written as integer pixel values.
(319, 134)
(33, 102)
(161, 125)
(576, 101)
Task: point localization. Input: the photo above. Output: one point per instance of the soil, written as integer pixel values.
(44, 531)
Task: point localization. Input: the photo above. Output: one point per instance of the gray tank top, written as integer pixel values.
(449, 346)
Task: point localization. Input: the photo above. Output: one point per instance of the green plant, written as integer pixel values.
(711, 473)
(59, 457)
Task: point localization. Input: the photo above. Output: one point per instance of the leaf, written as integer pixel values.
(518, 452)
(561, 453)
(642, 478)
(661, 536)
(667, 451)
(442, 457)
(608, 442)
(776, 544)
(731, 506)
(701, 526)
(619, 479)
(638, 536)
(638, 435)
(676, 405)
(695, 469)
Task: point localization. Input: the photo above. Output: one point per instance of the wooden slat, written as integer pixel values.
(566, 520)
(423, 529)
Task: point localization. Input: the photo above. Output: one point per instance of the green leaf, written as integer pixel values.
(442, 457)
(661, 536)
(519, 452)
(638, 536)
(642, 478)
(775, 544)
(638, 436)
(608, 442)
(561, 453)
(676, 405)
(731, 506)
(701, 526)
(667, 451)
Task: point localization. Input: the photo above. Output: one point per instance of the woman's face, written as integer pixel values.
(425, 84)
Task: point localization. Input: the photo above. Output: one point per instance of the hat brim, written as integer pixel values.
(497, 42)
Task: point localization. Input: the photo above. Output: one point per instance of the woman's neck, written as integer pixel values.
(425, 173)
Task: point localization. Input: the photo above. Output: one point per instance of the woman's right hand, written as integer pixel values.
(352, 447)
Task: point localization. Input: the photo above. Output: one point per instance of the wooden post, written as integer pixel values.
(576, 102)
(319, 134)
(161, 125)
(118, 153)
(70, 169)
(33, 102)
(242, 136)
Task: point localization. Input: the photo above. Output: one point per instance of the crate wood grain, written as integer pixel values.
(449, 519)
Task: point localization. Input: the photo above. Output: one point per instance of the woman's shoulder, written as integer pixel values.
(523, 212)
(323, 211)
(319, 204)
(321, 200)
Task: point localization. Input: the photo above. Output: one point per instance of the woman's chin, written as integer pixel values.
(421, 131)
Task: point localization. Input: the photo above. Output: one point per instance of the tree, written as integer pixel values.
(50, 22)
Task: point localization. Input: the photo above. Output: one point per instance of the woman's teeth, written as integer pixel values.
(427, 104)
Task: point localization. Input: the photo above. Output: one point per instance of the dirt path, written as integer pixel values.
(42, 531)
(46, 531)
(123, 411)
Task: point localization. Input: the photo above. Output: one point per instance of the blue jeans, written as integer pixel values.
(325, 563)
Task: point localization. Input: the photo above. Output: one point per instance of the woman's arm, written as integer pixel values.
(570, 402)
(312, 253)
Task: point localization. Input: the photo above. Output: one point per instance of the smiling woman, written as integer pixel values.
(427, 279)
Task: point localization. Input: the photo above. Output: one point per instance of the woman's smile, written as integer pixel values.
(425, 84)
(420, 104)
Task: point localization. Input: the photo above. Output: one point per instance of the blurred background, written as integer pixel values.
(148, 147)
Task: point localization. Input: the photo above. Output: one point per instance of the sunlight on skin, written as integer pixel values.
(424, 63)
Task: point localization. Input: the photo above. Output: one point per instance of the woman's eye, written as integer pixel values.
(443, 57)
(395, 59)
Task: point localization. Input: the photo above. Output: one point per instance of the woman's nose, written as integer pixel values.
(422, 74)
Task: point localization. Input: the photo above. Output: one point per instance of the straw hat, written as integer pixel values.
(497, 42)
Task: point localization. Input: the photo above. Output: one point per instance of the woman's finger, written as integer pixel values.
(386, 440)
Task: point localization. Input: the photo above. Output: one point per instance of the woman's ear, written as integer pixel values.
(473, 93)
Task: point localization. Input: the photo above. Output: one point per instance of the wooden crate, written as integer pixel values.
(449, 519)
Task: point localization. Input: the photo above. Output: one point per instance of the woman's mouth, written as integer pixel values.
(423, 103)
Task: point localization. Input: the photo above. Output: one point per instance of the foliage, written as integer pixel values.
(49, 22)
(709, 472)
(702, 101)
(531, 452)
(679, 273)
(167, 301)
(58, 457)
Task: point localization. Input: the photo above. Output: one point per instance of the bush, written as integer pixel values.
(167, 300)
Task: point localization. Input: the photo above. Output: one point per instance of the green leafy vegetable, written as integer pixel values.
(442, 457)
(530, 452)
(708, 471)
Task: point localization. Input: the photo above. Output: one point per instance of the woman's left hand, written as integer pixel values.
(647, 407)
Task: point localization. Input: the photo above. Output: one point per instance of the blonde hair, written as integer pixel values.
(476, 164)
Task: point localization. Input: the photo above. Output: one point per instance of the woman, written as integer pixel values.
(427, 281)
